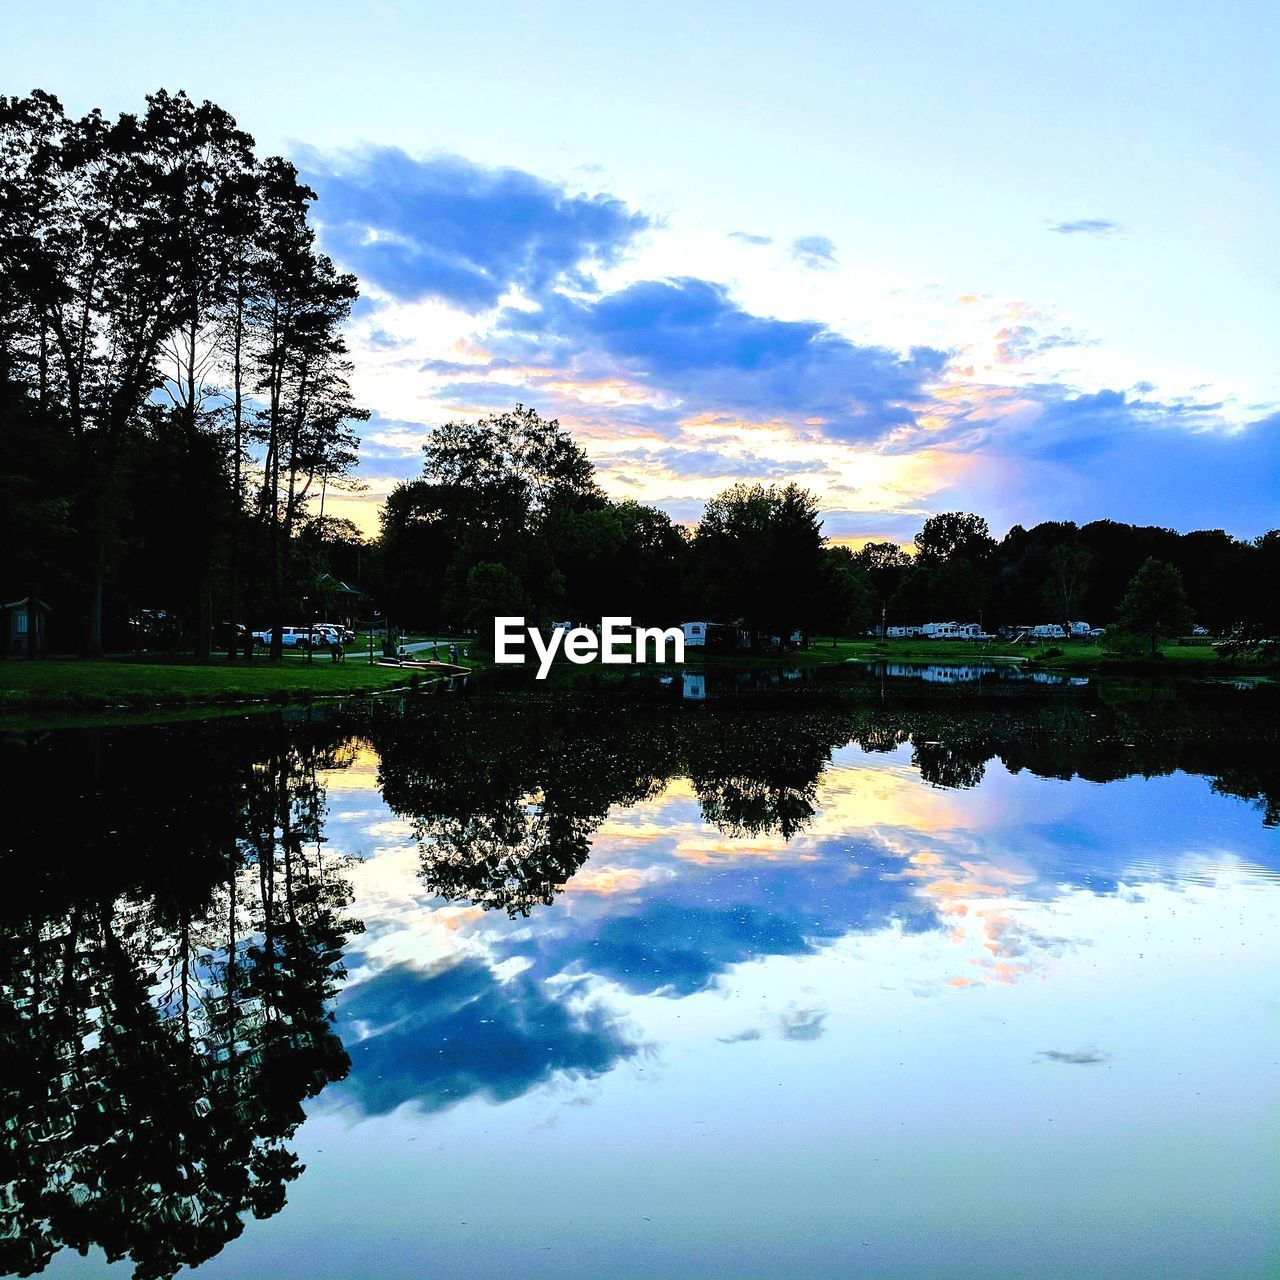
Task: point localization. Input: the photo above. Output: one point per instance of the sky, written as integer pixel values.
(916, 256)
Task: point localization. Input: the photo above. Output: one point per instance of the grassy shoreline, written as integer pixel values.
(72, 685)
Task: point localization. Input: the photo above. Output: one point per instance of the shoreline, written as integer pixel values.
(69, 688)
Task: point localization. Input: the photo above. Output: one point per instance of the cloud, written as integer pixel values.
(815, 252)
(1081, 1058)
(701, 463)
(687, 339)
(647, 359)
(1043, 451)
(449, 229)
(1086, 227)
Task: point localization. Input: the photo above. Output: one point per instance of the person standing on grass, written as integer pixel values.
(453, 654)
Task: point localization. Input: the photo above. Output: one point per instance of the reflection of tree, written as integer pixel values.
(506, 791)
(757, 773)
(163, 1017)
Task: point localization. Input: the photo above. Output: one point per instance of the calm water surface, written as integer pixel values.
(879, 972)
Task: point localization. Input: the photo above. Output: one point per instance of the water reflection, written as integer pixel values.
(512, 895)
(165, 982)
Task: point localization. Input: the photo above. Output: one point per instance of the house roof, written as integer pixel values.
(22, 604)
(345, 588)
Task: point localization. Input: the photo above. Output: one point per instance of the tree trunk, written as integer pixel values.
(93, 633)
(238, 494)
(204, 618)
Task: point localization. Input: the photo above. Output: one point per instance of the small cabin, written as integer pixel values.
(23, 626)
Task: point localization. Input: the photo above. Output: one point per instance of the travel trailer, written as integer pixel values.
(954, 631)
(710, 635)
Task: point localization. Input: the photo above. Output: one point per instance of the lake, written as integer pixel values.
(888, 971)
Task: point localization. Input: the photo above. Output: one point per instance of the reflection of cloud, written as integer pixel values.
(1080, 1058)
(803, 1024)
(1086, 227)
(436, 1038)
(674, 948)
(607, 881)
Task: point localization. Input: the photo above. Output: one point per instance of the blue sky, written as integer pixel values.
(917, 256)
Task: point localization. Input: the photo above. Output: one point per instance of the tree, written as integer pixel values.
(106, 246)
(849, 600)
(493, 591)
(297, 312)
(1064, 590)
(513, 457)
(758, 557)
(144, 259)
(1155, 607)
(952, 534)
(951, 574)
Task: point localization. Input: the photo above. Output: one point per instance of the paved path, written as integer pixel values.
(420, 645)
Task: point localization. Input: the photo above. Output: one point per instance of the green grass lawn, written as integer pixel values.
(79, 682)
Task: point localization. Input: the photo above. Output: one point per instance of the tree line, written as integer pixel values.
(174, 382)
(507, 518)
(175, 402)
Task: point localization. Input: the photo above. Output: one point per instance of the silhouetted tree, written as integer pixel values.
(1155, 607)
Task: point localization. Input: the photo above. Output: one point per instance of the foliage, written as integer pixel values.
(757, 556)
(168, 322)
(1155, 607)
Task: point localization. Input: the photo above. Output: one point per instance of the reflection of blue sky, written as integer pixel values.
(1013, 1029)
(446, 1002)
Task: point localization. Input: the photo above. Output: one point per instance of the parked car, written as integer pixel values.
(332, 631)
(292, 638)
